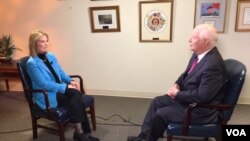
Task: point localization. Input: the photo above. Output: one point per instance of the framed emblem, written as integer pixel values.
(156, 21)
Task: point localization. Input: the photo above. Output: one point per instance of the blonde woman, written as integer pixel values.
(46, 73)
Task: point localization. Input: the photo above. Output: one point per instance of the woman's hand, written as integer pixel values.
(74, 85)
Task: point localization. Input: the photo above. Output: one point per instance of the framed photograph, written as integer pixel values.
(156, 21)
(105, 19)
(211, 12)
(243, 16)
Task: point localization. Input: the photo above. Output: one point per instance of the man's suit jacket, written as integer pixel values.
(205, 84)
(42, 78)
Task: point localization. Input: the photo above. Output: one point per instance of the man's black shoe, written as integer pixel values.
(133, 138)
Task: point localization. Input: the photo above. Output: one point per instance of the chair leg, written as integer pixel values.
(169, 137)
(218, 138)
(34, 127)
(61, 131)
(7, 85)
(92, 115)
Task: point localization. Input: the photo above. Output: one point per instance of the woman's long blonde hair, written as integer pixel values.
(34, 37)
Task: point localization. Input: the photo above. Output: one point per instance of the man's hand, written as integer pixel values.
(173, 90)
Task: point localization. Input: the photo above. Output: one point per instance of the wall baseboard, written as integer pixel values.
(121, 93)
(242, 100)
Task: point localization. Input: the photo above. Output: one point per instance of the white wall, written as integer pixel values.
(117, 63)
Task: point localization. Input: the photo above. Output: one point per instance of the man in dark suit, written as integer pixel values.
(201, 82)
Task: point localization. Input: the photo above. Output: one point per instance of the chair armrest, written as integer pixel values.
(80, 81)
(191, 107)
(214, 106)
(40, 91)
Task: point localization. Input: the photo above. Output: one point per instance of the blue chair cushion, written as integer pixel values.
(88, 100)
(210, 130)
(59, 114)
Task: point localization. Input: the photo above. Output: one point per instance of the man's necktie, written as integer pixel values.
(195, 62)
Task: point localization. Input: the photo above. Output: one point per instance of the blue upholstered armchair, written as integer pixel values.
(59, 115)
(236, 72)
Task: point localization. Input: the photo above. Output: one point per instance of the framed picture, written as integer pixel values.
(156, 21)
(243, 16)
(105, 19)
(211, 12)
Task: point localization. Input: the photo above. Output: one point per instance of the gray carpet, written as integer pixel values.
(111, 113)
(117, 118)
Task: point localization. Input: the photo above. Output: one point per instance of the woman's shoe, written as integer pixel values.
(89, 138)
(93, 138)
(81, 137)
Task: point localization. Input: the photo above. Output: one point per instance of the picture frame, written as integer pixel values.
(243, 16)
(156, 21)
(211, 12)
(105, 19)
